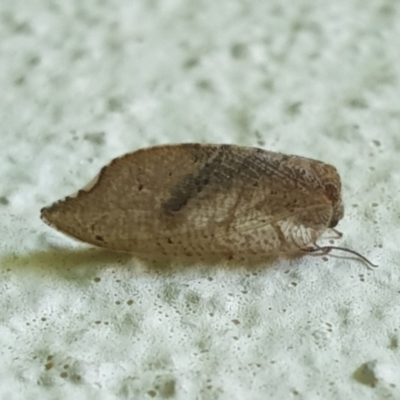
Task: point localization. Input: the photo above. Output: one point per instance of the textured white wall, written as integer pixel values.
(84, 81)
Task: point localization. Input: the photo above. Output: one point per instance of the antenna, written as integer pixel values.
(328, 249)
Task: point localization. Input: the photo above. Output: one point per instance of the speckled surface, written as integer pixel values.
(83, 82)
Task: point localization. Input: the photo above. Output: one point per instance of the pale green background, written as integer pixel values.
(84, 81)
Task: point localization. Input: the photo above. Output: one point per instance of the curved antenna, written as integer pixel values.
(328, 249)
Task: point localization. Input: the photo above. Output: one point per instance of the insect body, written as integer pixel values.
(204, 200)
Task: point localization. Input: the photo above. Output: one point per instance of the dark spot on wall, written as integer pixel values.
(293, 108)
(115, 104)
(191, 62)
(357, 103)
(238, 51)
(394, 343)
(167, 389)
(4, 201)
(48, 366)
(204, 84)
(365, 374)
(95, 137)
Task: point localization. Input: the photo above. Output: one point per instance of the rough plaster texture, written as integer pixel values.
(84, 81)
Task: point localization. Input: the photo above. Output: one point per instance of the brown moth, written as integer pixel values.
(205, 200)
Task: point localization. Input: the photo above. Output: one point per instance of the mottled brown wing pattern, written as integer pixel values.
(122, 206)
(199, 199)
(257, 212)
(232, 228)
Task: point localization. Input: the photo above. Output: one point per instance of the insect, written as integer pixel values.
(205, 200)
